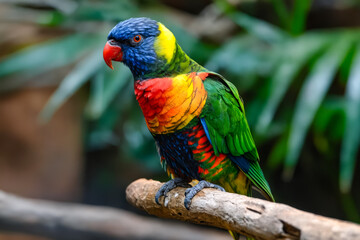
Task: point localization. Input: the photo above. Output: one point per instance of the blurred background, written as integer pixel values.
(71, 129)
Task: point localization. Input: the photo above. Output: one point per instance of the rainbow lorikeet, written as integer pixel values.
(196, 117)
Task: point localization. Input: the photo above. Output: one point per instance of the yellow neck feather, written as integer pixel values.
(165, 43)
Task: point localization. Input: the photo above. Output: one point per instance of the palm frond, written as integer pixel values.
(351, 140)
(311, 95)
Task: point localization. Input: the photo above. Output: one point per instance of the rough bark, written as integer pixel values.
(249, 216)
(80, 222)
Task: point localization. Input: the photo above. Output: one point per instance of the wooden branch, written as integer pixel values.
(79, 222)
(249, 216)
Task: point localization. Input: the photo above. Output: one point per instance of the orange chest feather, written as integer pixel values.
(169, 104)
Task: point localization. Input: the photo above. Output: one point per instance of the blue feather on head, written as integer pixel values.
(139, 57)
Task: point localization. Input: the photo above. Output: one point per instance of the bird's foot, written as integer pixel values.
(191, 192)
(170, 185)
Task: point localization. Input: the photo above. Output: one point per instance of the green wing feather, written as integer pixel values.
(229, 131)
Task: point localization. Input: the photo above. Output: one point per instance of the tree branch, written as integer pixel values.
(79, 222)
(249, 216)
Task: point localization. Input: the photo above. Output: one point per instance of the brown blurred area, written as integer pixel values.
(37, 160)
(16, 35)
(40, 160)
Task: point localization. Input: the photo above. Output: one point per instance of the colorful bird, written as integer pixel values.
(196, 116)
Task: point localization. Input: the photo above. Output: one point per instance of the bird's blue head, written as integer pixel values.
(144, 45)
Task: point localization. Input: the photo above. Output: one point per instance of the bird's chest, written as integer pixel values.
(169, 104)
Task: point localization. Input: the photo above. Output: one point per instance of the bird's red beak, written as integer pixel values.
(112, 53)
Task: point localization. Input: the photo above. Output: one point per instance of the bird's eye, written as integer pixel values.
(112, 42)
(137, 38)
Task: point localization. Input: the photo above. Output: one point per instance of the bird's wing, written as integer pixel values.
(225, 124)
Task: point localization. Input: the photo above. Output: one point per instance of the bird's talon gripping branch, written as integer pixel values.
(168, 186)
(191, 192)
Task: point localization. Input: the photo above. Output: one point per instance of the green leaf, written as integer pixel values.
(350, 207)
(298, 21)
(46, 56)
(259, 28)
(282, 12)
(106, 10)
(72, 82)
(249, 54)
(96, 98)
(345, 68)
(351, 140)
(105, 87)
(277, 153)
(295, 53)
(311, 95)
(330, 118)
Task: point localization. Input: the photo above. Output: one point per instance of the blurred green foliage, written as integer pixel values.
(318, 56)
(298, 83)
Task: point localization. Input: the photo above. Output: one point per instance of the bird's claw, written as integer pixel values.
(191, 192)
(168, 186)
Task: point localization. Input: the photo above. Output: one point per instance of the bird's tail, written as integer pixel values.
(235, 235)
(241, 185)
(238, 236)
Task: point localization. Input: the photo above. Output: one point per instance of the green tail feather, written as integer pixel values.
(257, 177)
(235, 235)
(238, 236)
